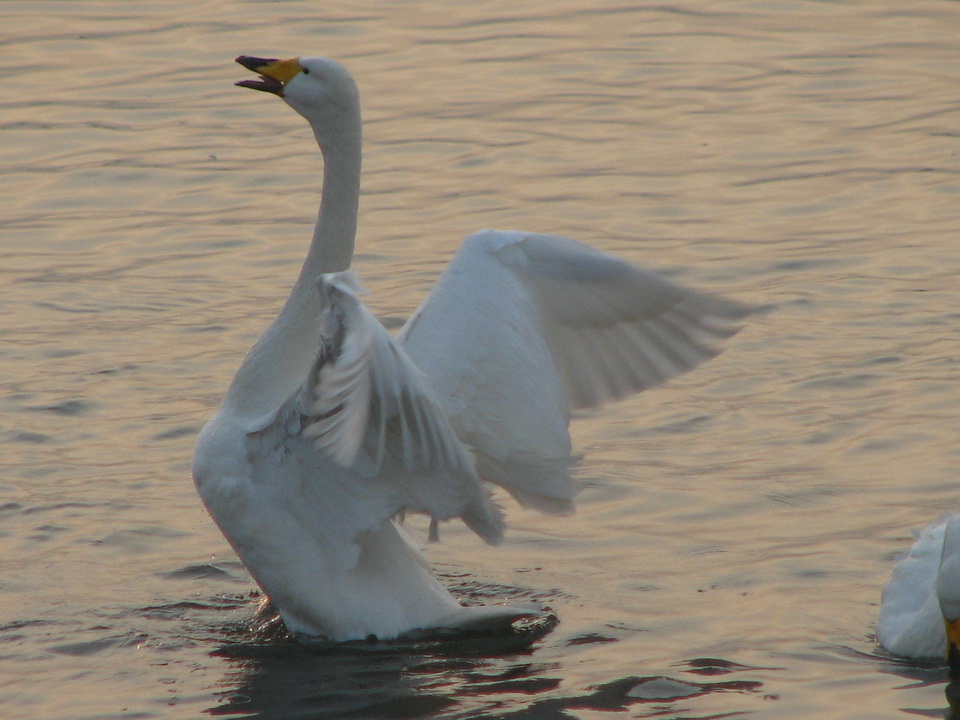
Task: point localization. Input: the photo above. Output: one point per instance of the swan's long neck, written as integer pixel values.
(279, 361)
(333, 237)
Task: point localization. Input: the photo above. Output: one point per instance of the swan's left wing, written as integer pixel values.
(365, 406)
(521, 328)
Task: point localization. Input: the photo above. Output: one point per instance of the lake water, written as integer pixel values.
(737, 525)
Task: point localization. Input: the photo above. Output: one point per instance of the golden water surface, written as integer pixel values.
(737, 525)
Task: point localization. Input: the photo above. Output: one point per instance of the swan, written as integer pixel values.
(920, 604)
(332, 428)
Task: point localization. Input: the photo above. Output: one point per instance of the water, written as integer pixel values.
(737, 525)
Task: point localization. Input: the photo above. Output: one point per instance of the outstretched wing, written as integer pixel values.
(366, 429)
(521, 328)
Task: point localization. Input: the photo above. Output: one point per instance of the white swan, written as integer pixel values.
(920, 605)
(331, 427)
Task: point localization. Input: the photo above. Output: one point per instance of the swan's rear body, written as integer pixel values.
(332, 428)
(920, 606)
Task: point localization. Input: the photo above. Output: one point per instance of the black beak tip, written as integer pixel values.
(254, 63)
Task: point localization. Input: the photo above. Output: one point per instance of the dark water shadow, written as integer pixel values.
(515, 674)
(432, 675)
(450, 675)
(919, 674)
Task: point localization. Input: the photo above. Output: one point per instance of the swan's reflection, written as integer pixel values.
(921, 674)
(952, 690)
(493, 675)
(276, 676)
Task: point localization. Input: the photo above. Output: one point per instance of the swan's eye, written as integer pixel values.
(306, 71)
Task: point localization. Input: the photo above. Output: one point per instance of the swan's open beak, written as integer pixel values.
(274, 74)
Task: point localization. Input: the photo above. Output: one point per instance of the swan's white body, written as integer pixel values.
(331, 427)
(923, 592)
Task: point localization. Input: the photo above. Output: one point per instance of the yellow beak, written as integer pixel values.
(274, 74)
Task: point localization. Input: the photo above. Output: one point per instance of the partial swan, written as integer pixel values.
(920, 605)
(332, 428)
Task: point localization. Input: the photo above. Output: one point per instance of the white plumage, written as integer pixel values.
(923, 592)
(331, 427)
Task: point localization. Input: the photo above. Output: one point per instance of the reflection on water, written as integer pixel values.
(952, 690)
(927, 677)
(736, 526)
(275, 677)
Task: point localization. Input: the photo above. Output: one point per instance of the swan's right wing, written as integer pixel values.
(366, 408)
(521, 328)
(363, 395)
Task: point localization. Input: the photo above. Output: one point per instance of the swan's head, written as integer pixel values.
(318, 88)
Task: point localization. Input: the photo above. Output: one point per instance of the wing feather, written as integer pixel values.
(523, 328)
(367, 408)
